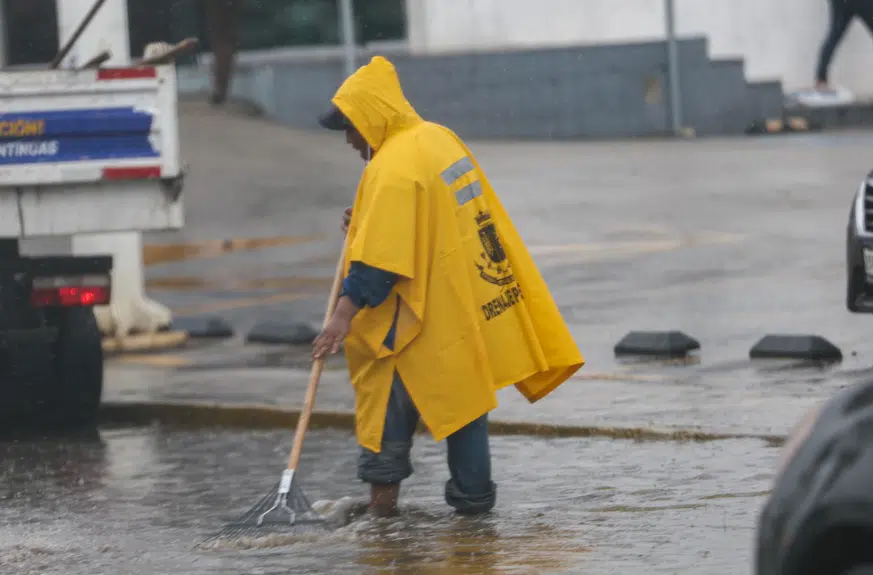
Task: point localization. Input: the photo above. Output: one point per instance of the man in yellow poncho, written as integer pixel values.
(442, 304)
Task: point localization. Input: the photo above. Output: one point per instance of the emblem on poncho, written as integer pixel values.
(494, 266)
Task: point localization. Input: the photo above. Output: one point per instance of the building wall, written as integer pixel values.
(526, 74)
(266, 24)
(29, 32)
(575, 92)
(778, 39)
(460, 25)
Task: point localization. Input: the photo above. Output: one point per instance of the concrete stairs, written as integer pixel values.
(577, 92)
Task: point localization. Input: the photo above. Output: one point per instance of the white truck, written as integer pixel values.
(81, 152)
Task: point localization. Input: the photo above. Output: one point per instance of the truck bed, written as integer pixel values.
(89, 151)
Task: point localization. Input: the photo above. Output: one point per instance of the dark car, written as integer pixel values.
(859, 250)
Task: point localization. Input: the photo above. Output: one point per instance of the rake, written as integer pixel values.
(286, 506)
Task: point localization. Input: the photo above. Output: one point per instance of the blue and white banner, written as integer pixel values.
(75, 136)
(40, 150)
(86, 122)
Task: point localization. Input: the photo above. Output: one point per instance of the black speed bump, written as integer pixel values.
(203, 327)
(656, 343)
(273, 332)
(809, 347)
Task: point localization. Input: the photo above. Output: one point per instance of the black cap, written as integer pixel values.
(334, 120)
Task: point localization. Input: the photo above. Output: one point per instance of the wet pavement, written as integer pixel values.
(727, 240)
(141, 500)
(729, 397)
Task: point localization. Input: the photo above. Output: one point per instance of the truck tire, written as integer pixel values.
(73, 397)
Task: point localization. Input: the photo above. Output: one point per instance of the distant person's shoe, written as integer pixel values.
(822, 96)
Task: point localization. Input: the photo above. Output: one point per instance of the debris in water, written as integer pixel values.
(338, 513)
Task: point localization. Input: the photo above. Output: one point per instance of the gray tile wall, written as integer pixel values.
(610, 91)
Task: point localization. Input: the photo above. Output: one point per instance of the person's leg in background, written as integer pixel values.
(385, 471)
(222, 19)
(864, 10)
(470, 490)
(842, 12)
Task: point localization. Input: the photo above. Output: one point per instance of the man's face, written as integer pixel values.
(357, 141)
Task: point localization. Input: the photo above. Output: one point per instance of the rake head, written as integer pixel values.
(283, 511)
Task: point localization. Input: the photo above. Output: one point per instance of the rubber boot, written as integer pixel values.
(383, 499)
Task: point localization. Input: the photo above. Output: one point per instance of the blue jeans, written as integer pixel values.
(469, 490)
(842, 14)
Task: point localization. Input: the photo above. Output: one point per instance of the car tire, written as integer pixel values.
(855, 285)
(74, 395)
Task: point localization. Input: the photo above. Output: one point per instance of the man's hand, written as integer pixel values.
(329, 340)
(336, 330)
(347, 219)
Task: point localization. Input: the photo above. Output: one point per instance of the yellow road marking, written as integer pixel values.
(613, 249)
(154, 254)
(598, 251)
(145, 341)
(155, 360)
(240, 303)
(234, 284)
(619, 376)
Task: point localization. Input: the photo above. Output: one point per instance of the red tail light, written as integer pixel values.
(70, 291)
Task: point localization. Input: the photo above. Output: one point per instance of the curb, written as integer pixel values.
(858, 114)
(203, 327)
(159, 341)
(787, 124)
(267, 417)
(276, 332)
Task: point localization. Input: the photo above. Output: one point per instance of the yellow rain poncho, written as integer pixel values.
(475, 314)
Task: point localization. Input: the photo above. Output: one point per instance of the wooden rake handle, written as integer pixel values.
(317, 368)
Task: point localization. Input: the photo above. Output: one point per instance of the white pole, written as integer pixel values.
(130, 311)
(347, 24)
(2, 36)
(673, 68)
(107, 31)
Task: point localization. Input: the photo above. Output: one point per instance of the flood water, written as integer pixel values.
(139, 500)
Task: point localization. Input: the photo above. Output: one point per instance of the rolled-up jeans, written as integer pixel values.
(469, 490)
